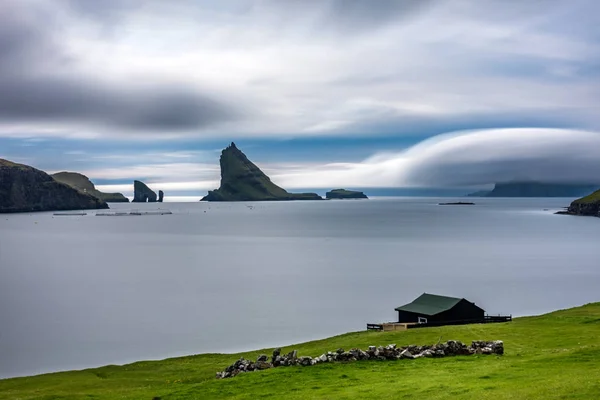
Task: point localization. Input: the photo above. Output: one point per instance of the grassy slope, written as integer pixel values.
(6, 163)
(555, 356)
(591, 198)
(82, 183)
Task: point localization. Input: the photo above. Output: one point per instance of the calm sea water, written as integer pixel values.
(84, 291)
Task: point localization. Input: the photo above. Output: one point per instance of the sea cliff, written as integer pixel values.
(24, 189)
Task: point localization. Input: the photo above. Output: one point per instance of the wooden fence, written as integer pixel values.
(486, 320)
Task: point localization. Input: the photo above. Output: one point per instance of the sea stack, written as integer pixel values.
(83, 184)
(142, 193)
(345, 194)
(241, 180)
(161, 196)
(24, 189)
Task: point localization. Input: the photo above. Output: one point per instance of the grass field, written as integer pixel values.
(591, 198)
(554, 356)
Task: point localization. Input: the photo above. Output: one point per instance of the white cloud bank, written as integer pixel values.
(466, 158)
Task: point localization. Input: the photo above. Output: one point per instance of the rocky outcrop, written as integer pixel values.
(24, 189)
(586, 206)
(540, 189)
(241, 180)
(345, 194)
(381, 353)
(83, 184)
(142, 193)
(161, 196)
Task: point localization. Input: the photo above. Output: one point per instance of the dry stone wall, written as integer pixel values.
(389, 352)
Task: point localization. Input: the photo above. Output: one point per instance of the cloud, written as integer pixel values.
(163, 172)
(467, 159)
(265, 68)
(46, 89)
(349, 17)
(70, 101)
(457, 159)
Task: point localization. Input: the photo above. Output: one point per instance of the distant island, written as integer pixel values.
(83, 184)
(25, 189)
(536, 189)
(457, 203)
(241, 180)
(586, 206)
(143, 194)
(345, 194)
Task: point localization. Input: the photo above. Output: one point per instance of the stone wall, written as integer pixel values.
(390, 352)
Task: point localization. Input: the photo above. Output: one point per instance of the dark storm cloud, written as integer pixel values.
(160, 108)
(37, 84)
(26, 39)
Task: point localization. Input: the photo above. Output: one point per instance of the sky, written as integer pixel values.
(318, 93)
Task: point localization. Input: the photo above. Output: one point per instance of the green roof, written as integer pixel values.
(429, 304)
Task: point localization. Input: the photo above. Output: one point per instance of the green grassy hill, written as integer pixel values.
(588, 205)
(591, 198)
(83, 184)
(554, 356)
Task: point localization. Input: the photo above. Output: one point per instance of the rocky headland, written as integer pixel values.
(585, 206)
(142, 193)
(25, 189)
(242, 180)
(83, 184)
(345, 194)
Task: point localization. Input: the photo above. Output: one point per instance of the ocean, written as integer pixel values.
(85, 291)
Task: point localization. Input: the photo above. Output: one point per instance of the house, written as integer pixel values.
(435, 309)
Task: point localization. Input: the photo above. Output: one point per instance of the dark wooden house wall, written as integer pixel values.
(463, 310)
(405, 316)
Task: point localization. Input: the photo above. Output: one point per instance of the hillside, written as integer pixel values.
(554, 356)
(588, 205)
(25, 189)
(242, 180)
(83, 184)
